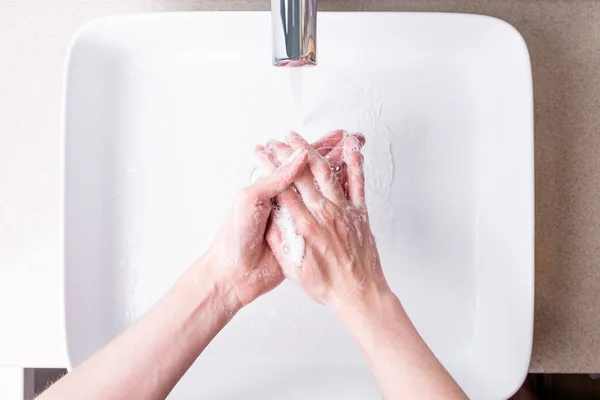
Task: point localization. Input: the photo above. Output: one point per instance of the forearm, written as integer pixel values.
(149, 358)
(401, 362)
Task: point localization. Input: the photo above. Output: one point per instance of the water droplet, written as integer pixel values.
(362, 218)
(317, 185)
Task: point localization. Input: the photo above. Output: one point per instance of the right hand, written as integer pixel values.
(340, 263)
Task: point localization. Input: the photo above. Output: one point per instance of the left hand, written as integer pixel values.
(243, 266)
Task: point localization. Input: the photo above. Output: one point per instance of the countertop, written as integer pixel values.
(564, 42)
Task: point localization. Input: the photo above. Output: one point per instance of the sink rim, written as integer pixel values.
(160, 16)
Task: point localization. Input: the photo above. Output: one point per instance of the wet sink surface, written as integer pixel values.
(162, 114)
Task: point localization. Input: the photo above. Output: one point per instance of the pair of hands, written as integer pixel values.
(339, 264)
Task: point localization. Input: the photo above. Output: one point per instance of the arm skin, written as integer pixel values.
(149, 358)
(402, 364)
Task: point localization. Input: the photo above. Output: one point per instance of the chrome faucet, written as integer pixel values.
(294, 32)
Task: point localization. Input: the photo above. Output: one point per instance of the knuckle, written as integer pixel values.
(248, 197)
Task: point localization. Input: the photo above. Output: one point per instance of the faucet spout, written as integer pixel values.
(294, 32)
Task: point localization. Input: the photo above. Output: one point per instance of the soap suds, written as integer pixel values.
(293, 244)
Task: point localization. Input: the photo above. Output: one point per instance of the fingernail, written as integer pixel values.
(361, 138)
(293, 135)
(354, 143)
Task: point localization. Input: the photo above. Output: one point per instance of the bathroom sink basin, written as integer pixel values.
(161, 117)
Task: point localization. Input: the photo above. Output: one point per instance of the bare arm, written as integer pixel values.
(149, 358)
(340, 268)
(403, 366)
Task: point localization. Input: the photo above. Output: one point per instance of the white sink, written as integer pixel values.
(162, 114)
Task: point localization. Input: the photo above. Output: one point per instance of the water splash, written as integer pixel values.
(296, 85)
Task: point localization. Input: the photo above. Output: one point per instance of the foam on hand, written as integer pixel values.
(293, 244)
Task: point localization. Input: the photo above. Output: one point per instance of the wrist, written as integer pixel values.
(209, 276)
(369, 308)
(371, 320)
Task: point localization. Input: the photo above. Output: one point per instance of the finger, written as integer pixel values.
(324, 150)
(320, 168)
(338, 166)
(335, 155)
(277, 181)
(266, 160)
(305, 183)
(278, 151)
(334, 139)
(356, 178)
(288, 198)
(330, 140)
